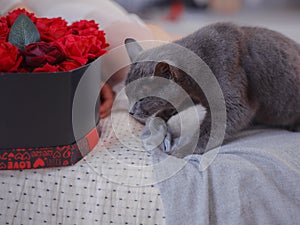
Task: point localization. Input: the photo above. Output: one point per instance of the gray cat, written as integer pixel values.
(258, 71)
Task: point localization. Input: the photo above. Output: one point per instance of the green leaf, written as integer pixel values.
(23, 32)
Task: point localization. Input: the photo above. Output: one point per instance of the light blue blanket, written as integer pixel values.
(253, 179)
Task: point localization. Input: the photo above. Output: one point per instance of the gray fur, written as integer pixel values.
(258, 71)
(133, 49)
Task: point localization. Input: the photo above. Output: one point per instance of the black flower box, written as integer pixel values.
(48, 119)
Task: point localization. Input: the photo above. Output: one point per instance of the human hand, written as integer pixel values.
(106, 100)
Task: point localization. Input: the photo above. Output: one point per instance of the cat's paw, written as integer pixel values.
(183, 131)
(188, 120)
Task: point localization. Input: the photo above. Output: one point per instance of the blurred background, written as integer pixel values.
(182, 17)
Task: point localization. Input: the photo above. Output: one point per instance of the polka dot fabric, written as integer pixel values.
(114, 184)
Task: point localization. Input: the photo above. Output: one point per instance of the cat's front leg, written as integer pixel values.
(183, 131)
(189, 119)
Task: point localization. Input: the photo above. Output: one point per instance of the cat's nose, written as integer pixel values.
(131, 113)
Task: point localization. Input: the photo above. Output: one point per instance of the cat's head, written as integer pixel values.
(150, 85)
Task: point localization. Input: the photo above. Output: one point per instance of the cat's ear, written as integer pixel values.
(133, 48)
(166, 70)
(163, 69)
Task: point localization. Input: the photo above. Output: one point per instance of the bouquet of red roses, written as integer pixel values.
(49, 90)
(32, 44)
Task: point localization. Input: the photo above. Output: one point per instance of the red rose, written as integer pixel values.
(75, 47)
(101, 37)
(4, 31)
(39, 53)
(10, 58)
(23, 70)
(47, 68)
(51, 29)
(3, 20)
(88, 28)
(84, 28)
(12, 16)
(69, 65)
(96, 49)
(84, 25)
